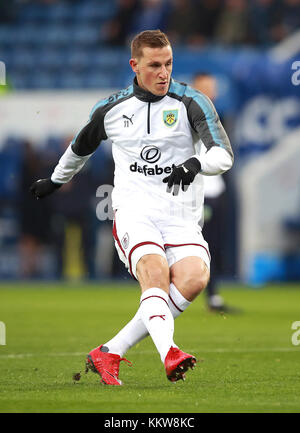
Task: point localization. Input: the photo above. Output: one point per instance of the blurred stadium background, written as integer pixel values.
(60, 57)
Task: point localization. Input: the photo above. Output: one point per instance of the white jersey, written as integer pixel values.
(214, 186)
(149, 135)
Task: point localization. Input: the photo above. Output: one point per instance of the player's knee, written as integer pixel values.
(192, 281)
(152, 271)
(196, 281)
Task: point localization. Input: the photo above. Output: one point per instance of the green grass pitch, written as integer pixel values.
(249, 361)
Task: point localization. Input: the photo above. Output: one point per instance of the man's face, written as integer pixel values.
(206, 85)
(153, 69)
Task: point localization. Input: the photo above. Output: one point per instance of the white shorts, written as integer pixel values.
(137, 235)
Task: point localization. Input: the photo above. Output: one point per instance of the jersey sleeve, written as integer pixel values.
(90, 136)
(81, 148)
(205, 121)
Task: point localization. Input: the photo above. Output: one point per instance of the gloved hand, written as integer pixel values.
(183, 175)
(43, 187)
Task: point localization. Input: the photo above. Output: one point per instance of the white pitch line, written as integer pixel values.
(31, 355)
(217, 350)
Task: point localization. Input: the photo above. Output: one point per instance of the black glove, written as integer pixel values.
(183, 174)
(43, 187)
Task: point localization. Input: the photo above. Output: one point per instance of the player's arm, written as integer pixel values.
(205, 121)
(218, 157)
(78, 152)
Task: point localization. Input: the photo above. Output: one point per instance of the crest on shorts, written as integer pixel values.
(170, 117)
(125, 241)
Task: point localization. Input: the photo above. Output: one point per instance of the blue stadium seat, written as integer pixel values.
(30, 35)
(42, 80)
(106, 59)
(11, 156)
(60, 13)
(70, 80)
(57, 36)
(22, 60)
(50, 60)
(6, 56)
(95, 11)
(6, 36)
(98, 80)
(19, 80)
(86, 35)
(78, 60)
(34, 13)
(53, 45)
(53, 144)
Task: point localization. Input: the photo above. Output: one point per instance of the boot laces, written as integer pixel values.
(116, 365)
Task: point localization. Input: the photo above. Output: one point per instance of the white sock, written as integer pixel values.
(130, 335)
(135, 330)
(157, 318)
(177, 302)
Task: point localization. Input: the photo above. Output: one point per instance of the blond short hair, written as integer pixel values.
(148, 38)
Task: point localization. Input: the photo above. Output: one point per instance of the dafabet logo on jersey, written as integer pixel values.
(170, 117)
(150, 154)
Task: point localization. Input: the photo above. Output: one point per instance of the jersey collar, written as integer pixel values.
(144, 95)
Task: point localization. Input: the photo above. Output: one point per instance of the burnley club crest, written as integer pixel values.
(170, 117)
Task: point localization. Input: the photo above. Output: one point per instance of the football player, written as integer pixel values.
(157, 126)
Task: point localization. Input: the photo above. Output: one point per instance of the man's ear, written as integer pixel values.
(134, 65)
